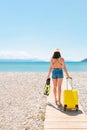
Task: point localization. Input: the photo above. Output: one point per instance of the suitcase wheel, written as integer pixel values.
(65, 106)
(76, 106)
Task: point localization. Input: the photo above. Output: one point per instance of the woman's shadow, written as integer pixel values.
(68, 111)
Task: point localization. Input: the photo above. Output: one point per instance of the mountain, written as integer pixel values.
(84, 60)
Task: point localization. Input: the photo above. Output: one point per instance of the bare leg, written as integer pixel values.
(55, 89)
(59, 84)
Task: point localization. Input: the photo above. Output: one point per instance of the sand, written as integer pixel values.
(80, 83)
(22, 102)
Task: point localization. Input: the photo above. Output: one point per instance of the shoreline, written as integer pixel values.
(22, 102)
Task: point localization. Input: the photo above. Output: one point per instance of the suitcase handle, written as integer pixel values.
(67, 79)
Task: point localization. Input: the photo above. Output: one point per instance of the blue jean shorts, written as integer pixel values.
(57, 73)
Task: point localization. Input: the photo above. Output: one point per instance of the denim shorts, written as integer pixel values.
(57, 73)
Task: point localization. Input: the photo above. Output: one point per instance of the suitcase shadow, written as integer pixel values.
(67, 112)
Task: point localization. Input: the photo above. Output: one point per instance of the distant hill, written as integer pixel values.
(84, 60)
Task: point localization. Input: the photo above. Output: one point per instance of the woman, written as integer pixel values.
(56, 67)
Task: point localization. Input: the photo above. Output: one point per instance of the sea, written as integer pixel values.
(37, 66)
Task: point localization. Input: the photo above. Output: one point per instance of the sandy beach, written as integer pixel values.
(22, 103)
(80, 83)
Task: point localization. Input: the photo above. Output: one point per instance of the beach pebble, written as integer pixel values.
(22, 102)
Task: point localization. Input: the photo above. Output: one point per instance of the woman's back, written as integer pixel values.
(57, 62)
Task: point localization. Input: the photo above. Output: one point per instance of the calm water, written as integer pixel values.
(26, 66)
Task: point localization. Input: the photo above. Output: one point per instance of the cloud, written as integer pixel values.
(14, 54)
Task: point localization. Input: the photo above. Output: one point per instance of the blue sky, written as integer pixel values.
(34, 28)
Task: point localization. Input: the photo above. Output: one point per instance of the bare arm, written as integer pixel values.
(65, 69)
(50, 69)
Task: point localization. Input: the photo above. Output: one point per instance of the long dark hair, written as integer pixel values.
(56, 55)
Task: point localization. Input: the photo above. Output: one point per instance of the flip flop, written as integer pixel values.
(59, 105)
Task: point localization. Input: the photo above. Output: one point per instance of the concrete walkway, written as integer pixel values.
(57, 119)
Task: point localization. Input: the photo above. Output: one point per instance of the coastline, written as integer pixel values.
(22, 103)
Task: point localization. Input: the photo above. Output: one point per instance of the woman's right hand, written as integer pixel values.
(68, 77)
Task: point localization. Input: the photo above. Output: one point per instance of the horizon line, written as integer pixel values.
(36, 60)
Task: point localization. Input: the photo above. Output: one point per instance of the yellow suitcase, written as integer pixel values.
(70, 98)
